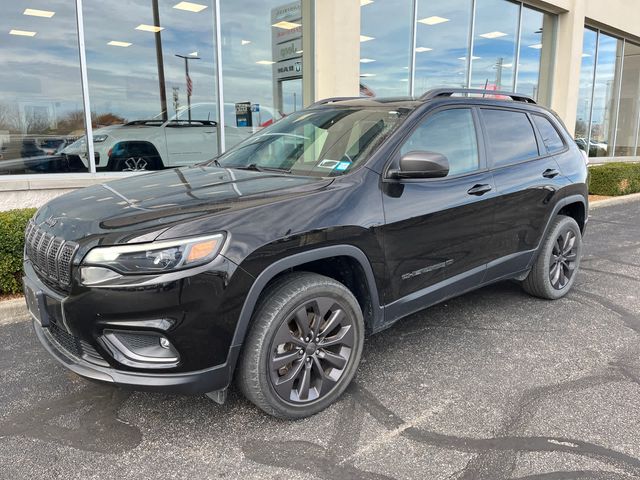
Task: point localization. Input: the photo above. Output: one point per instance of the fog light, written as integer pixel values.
(140, 349)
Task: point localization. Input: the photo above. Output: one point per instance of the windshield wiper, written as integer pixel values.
(254, 167)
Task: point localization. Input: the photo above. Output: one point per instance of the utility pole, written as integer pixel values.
(159, 61)
(188, 79)
(499, 67)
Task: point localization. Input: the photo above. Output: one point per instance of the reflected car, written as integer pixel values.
(596, 149)
(156, 144)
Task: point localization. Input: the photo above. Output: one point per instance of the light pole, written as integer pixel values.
(159, 61)
(188, 80)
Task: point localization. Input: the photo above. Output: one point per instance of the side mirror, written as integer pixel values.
(420, 164)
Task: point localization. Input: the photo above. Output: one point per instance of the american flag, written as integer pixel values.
(189, 86)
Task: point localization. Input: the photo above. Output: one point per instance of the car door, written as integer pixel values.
(527, 177)
(437, 230)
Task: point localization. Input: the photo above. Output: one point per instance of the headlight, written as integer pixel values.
(156, 257)
(99, 138)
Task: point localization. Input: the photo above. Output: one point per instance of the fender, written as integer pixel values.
(293, 261)
(563, 202)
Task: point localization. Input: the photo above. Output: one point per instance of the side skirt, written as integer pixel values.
(511, 266)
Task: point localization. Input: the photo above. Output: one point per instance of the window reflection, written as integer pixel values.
(584, 93)
(262, 64)
(629, 109)
(442, 37)
(603, 110)
(41, 109)
(153, 61)
(535, 55)
(384, 59)
(494, 44)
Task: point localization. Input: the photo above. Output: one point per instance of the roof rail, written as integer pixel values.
(447, 92)
(331, 100)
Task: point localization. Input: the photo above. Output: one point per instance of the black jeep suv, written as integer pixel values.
(272, 262)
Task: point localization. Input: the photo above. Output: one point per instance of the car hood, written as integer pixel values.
(141, 207)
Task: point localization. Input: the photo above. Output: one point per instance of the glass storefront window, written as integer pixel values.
(603, 109)
(629, 108)
(442, 42)
(537, 35)
(385, 27)
(162, 113)
(494, 45)
(583, 115)
(41, 107)
(262, 64)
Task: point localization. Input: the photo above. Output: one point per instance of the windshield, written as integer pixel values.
(322, 142)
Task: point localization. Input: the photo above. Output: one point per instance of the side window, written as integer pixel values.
(510, 136)
(451, 133)
(550, 136)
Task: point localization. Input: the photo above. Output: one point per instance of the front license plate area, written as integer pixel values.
(36, 304)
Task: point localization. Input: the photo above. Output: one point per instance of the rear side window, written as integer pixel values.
(550, 136)
(510, 136)
(451, 133)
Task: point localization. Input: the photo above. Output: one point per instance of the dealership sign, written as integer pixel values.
(288, 69)
(287, 50)
(286, 41)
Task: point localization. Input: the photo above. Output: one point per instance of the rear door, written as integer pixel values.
(192, 141)
(527, 178)
(438, 230)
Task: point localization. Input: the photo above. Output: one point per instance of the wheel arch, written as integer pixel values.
(124, 148)
(312, 261)
(570, 205)
(577, 210)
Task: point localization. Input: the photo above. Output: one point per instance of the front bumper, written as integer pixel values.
(198, 309)
(201, 381)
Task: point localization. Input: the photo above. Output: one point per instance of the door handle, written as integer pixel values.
(479, 189)
(550, 173)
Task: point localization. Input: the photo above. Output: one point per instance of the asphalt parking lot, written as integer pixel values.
(492, 385)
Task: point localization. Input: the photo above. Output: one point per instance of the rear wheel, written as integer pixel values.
(304, 346)
(555, 269)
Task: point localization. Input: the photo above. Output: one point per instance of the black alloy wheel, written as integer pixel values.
(554, 271)
(563, 260)
(310, 350)
(304, 345)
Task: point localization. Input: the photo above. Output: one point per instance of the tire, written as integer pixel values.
(286, 309)
(556, 267)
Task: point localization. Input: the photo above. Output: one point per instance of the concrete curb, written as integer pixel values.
(615, 201)
(13, 311)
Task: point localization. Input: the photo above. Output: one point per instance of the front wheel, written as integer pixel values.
(304, 346)
(555, 269)
(136, 164)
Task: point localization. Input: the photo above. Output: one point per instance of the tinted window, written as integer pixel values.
(510, 136)
(550, 136)
(450, 133)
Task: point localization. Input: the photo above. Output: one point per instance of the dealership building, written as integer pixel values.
(93, 90)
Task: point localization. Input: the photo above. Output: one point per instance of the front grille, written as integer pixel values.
(50, 256)
(75, 346)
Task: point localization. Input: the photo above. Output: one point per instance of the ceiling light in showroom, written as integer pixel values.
(434, 20)
(190, 7)
(34, 12)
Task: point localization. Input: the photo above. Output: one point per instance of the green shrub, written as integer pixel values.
(614, 179)
(12, 225)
